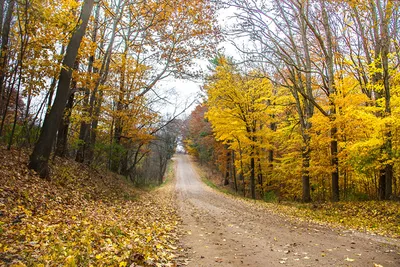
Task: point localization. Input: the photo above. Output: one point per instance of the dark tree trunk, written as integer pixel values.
(116, 153)
(53, 84)
(120, 107)
(388, 181)
(252, 178)
(8, 99)
(270, 169)
(227, 171)
(24, 41)
(87, 150)
(83, 141)
(234, 171)
(380, 14)
(241, 177)
(5, 34)
(306, 174)
(62, 135)
(93, 129)
(162, 167)
(382, 184)
(15, 112)
(260, 176)
(335, 165)
(1, 14)
(85, 126)
(41, 153)
(24, 38)
(385, 38)
(330, 77)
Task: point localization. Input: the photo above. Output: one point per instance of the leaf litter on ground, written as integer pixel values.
(82, 217)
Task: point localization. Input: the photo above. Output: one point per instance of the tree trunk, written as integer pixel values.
(388, 181)
(5, 34)
(252, 178)
(306, 174)
(53, 84)
(380, 16)
(118, 120)
(234, 171)
(95, 101)
(382, 184)
(385, 15)
(83, 141)
(226, 180)
(41, 153)
(241, 171)
(93, 129)
(24, 39)
(16, 109)
(62, 135)
(85, 126)
(380, 12)
(24, 42)
(8, 98)
(330, 76)
(1, 14)
(335, 165)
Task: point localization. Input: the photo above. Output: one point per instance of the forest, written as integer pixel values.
(290, 154)
(81, 79)
(307, 112)
(310, 110)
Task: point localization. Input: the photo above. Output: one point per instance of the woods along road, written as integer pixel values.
(223, 231)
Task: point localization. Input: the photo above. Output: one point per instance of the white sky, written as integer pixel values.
(188, 90)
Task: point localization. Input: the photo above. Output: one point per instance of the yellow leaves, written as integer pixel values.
(70, 261)
(88, 221)
(235, 102)
(364, 216)
(18, 264)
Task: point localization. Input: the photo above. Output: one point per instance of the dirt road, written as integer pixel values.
(222, 231)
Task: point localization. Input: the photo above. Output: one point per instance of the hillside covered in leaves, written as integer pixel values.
(81, 217)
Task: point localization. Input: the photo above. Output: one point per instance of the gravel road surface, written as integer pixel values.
(223, 231)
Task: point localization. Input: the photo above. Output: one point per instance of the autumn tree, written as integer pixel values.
(311, 48)
(199, 141)
(7, 17)
(155, 40)
(105, 78)
(376, 29)
(198, 137)
(41, 153)
(237, 108)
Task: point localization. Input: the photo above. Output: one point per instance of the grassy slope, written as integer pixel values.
(376, 217)
(81, 217)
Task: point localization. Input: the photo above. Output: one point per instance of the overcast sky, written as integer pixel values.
(188, 90)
